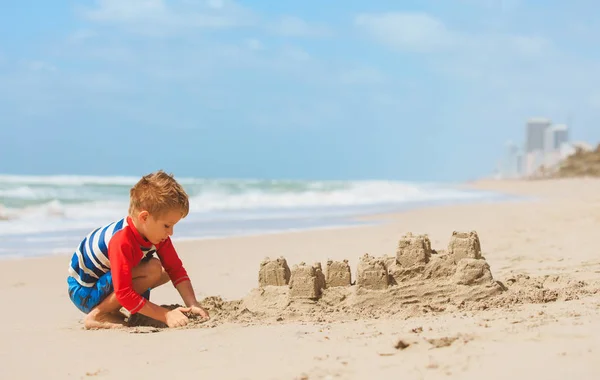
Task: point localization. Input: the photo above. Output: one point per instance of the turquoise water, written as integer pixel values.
(49, 214)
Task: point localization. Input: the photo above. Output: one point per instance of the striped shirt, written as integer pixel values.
(119, 247)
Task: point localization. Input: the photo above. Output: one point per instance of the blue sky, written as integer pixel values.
(415, 90)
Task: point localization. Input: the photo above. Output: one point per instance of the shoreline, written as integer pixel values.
(358, 218)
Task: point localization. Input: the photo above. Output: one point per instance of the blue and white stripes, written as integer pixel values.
(90, 260)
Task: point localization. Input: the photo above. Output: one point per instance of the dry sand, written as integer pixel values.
(518, 299)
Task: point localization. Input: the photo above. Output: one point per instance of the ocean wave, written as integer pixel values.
(53, 203)
(64, 192)
(320, 194)
(66, 180)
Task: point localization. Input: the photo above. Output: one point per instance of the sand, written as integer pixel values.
(493, 290)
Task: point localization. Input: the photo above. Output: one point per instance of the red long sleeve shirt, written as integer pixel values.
(126, 249)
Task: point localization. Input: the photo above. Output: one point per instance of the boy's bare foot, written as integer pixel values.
(96, 320)
(120, 313)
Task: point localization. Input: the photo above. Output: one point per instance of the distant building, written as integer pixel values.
(511, 166)
(520, 164)
(549, 140)
(533, 161)
(546, 145)
(556, 137)
(560, 136)
(536, 134)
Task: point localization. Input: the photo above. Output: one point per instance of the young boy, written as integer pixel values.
(114, 267)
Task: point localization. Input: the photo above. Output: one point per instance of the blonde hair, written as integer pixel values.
(158, 193)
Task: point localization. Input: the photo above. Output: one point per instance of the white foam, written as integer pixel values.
(67, 180)
(55, 203)
(354, 194)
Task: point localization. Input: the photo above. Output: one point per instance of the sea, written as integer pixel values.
(44, 215)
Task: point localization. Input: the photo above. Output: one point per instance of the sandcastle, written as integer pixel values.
(464, 245)
(274, 272)
(338, 274)
(306, 281)
(414, 265)
(413, 250)
(372, 273)
(416, 280)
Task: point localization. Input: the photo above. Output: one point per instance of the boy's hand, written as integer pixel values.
(176, 318)
(199, 310)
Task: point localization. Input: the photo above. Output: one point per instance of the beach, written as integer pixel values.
(546, 242)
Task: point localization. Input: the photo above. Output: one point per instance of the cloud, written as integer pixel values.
(81, 36)
(38, 66)
(530, 46)
(361, 76)
(216, 4)
(495, 5)
(499, 74)
(157, 17)
(128, 11)
(424, 33)
(160, 18)
(295, 53)
(416, 32)
(291, 26)
(492, 59)
(254, 44)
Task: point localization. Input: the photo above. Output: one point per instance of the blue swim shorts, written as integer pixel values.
(87, 298)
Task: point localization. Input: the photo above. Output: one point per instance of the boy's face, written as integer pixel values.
(159, 228)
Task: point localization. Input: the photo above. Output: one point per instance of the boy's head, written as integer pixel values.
(156, 203)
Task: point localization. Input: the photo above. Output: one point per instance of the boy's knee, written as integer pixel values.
(154, 267)
(151, 269)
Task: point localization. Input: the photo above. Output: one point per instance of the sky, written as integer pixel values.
(424, 90)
